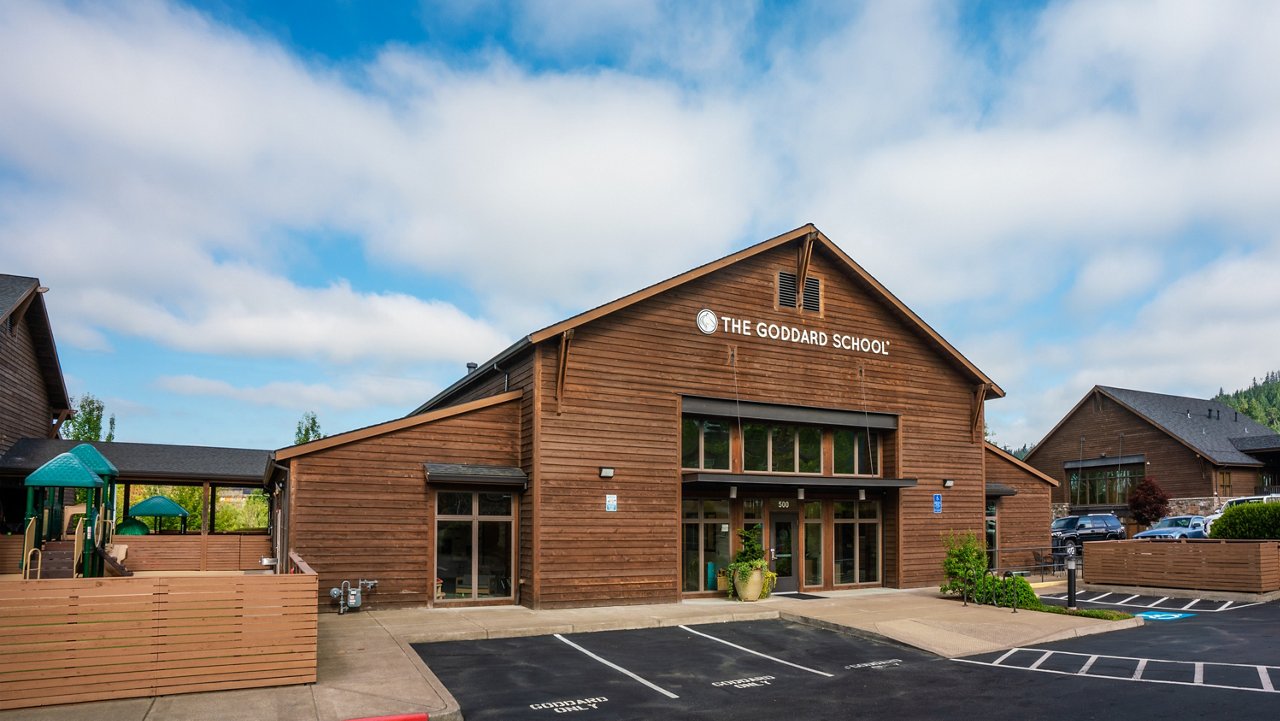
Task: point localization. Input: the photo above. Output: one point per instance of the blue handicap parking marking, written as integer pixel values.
(1164, 615)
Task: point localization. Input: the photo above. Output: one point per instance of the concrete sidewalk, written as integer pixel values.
(367, 667)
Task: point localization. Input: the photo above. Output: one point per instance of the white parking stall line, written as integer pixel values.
(757, 653)
(1264, 672)
(1007, 654)
(616, 667)
(1157, 603)
(1095, 599)
(1194, 601)
(1225, 606)
(1042, 659)
(1121, 603)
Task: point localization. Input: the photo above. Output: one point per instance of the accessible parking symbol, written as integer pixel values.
(1164, 615)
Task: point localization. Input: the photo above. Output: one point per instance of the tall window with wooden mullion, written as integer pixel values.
(474, 548)
(706, 542)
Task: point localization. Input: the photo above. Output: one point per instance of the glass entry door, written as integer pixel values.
(474, 545)
(782, 551)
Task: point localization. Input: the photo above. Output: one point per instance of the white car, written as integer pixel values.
(1208, 521)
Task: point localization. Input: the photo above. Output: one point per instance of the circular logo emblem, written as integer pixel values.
(707, 321)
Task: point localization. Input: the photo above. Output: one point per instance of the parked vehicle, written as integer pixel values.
(1176, 527)
(1076, 530)
(1208, 521)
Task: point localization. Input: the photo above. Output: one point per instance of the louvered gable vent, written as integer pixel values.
(787, 292)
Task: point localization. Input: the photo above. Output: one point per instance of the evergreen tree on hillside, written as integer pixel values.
(1260, 401)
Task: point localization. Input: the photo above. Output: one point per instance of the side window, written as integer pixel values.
(1084, 524)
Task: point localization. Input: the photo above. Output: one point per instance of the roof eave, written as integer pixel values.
(483, 371)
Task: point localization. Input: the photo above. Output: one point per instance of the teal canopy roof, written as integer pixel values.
(94, 459)
(64, 471)
(157, 506)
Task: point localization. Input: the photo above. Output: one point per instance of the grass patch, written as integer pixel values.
(1104, 614)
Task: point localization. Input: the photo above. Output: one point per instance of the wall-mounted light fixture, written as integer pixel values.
(606, 472)
(947, 483)
(733, 491)
(800, 494)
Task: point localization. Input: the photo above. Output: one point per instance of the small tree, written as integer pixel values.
(1148, 502)
(308, 429)
(86, 423)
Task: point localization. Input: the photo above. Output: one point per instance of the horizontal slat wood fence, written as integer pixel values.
(10, 553)
(194, 552)
(74, 640)
(1201, 564)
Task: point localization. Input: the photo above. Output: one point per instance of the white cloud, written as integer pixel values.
(356, 393)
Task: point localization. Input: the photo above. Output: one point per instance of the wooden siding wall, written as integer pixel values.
(360, 510)
(1201, 564)
(194, 552)
(1173, 465)
(24, 402)
(75, 640)
(621, 408)
(1023, 519)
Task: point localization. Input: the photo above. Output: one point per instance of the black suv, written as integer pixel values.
(1075, 530)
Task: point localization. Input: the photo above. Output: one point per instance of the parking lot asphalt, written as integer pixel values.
(1195, 666)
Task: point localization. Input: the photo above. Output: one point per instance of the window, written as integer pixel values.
(781, 448)
(1224, 483)
(813, 543)
(810, 299)
(993, 537)
(474, 549)
(857, 537)
(1104, 486)
(704, 443)
(706, 542)
(857, 451)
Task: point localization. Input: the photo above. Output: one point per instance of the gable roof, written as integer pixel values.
(147, 461)
(20, 298)
(1022, 465)
(393, 425)
(1211, 429)
(799, 234)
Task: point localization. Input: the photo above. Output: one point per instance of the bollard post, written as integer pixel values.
(1071, 576)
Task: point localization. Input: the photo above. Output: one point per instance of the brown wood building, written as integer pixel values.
(33, 395)
(1018, 510)
(607, 459)
(1199, 451)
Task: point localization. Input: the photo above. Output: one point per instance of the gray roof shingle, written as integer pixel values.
(1205, 425)
(147, 461)
(13, 288)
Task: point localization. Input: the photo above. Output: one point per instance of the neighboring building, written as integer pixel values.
(1199, 451)
(33, 396)
(1018, 511)
(607, 459)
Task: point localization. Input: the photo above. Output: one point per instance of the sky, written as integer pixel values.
(246, 211)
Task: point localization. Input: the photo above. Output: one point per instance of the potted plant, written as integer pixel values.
(749, 574)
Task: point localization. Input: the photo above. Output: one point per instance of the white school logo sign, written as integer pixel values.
(709, 322)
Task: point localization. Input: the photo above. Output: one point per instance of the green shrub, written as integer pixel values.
(1003, 591)
(965, 563)
(1104, 614)
(1257, 521)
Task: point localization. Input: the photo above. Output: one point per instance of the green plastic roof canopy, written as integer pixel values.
(132, 527)
(64, 471)
(157, 506)
(95, 461)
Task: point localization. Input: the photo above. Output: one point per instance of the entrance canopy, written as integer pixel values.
(64, 471)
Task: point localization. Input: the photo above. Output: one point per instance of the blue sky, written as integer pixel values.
(245, 211)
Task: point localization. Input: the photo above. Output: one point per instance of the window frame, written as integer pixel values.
(476, 518)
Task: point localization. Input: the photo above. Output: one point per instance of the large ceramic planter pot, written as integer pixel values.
(749, 588)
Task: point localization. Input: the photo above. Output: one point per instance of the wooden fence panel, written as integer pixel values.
(1205, 565)
(10, 553)
(73, 640)
(193, 552)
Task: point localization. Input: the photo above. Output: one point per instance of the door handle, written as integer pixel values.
(773, 554)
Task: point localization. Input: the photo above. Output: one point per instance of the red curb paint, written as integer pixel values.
(401, 717)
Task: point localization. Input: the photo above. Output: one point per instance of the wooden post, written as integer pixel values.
(204, 529)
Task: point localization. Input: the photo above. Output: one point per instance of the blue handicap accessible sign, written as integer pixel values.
(1164, 615)
(937, 503)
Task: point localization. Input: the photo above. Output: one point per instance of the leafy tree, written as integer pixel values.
(1148, 502)
(308, 429)
(86, 423)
